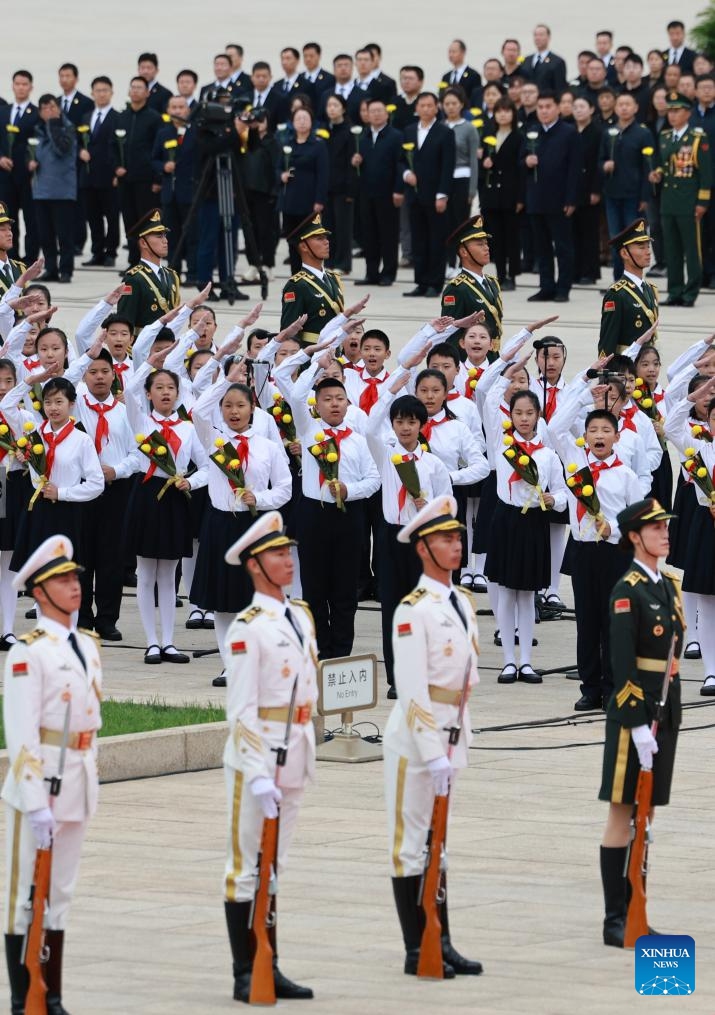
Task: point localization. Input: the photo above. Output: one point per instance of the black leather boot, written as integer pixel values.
(55, 942)
(461, 966)
(16, 973)
(286, 988)
(239, 936)
(613, 862)
(411, 916)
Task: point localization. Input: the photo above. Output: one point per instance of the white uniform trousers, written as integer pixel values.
(245, 825)
(21, 847)
(409, 800)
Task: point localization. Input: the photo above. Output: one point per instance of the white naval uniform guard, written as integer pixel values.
(269, 647)
(434, 644)
(44, 676)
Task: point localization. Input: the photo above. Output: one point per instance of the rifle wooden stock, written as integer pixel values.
(35, 1002)
(430, 961)
(263, 989)
(636, 917)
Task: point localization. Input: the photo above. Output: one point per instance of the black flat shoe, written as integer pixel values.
(528, 675)
(539, 298)
(155, 658)
(479, 583)
(175, 656)
(207, 623)
(366, 281)
(31, 614)
(7, 641)
(220, 680)
(195, 621)
(417, 291)
(109, 634)
(587, 704)
(692, 650)
(433, 293)
(708, 689)
(508, 674)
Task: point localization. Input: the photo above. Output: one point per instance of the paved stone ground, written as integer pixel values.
(147, 930)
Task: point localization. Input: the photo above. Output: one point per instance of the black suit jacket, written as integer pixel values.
(502, 186)
(590, 180)
(470, 81)
(323, 84)
(230, 87)
(687, 58)
(549, 75)
(555, 183)
(271, 103)
(158, 97)
(381, 169)
(433, 163)
(78, 109)
(28, 121)
(103, 152)
(284, 99)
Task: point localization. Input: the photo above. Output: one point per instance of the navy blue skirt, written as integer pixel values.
(684, 508)
(48, 518)
(18, 490)
(159, 528)
(519, 555)
(698, 570)
(218, 586)
(487, 504)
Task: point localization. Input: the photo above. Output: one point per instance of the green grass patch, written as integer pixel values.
(153, 714)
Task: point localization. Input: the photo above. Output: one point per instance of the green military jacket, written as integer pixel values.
(644, 616)
(320, 299)
(146, 297)
(464, 295)
(626, 312)
(17, 268)
(686, 168)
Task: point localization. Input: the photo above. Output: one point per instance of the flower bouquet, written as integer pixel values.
(613, 133)
(227, 459)
(525, 468)
(490, 146)
(406, 469)
(327, 457)
(391, 109)
(283, 417)
(159, 454)
(287, 152)
(580, 483)
(31, 449)
(8, 444)
(83, 131)
(409, 150)
(701, 433)
(170, 147)
(12, 132)
(645, 400)
(698, 472)
(32, 146)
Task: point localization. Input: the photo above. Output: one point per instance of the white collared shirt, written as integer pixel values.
(634, 278)
(98, 114)
(655, 576)
(119, 451)
(455, 75)
(357, 469)
(438, 589)
(18, 109)
(318, 272)
(67, 100)
(422, 132)
(156, 268)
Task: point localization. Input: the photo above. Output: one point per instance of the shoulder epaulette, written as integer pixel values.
(622, 283)
(469, 594)
(32, 636)
(250, 614)
(493, 278)
(21, 265)
(675, 578)
(299, 276)
(634, 577)
(138, 269)
(92, 634)
(414, 597)
(697, 130)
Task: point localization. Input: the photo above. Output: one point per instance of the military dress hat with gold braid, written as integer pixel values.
(308, 228)
(50, 559)
(676, 100)
(4, 216)
(440, 515)
(636, 232)
(643, 512)
(267, 533)
(472, 229)
(148, 224)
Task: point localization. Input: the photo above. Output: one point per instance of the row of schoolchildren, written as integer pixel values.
(279, 412)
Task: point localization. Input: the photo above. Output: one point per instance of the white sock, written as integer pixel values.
(706, 609)
(558, 534)
(506, 608)
(690, 609)
(8, 595)
(146, 579)
(493, 594)
(525, 617)
(188, 566)
(222, 622)
(472, 508)
(166, 588)
(481, 560)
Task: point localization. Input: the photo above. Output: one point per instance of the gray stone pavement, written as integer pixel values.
(147, 931)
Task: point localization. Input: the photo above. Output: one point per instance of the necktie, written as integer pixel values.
(16, 116)
(457, 608)
(52, 440)
(72, 639)
(454, 77)
(369, 393)
(102, 432)
(294, 624)
(97, 124)
(7, 273)
(258, 103)
(65, 106)
(286, 86)
(537, 60)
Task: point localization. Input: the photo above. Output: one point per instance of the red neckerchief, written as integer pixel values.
(102, 431)
(659, 396)
(172, 439)
(627, 417)
(242, 449)
(31, 364)
(469, 391)
(429, 426)
(369, 394)
(119, 370)
(452, 395)
(52, 440)
(596, 467)
(402, 494)
(523, 448)
(552, 393)
(338, 436)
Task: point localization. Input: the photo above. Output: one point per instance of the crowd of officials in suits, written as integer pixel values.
(393, 165)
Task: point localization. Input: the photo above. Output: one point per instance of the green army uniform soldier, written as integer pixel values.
(646, 613)
(472, 289)
(630, 305)
(150, 289)
(685, 172)
(314, 290)
(10, 270)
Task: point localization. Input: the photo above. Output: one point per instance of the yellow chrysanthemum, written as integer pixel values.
(331, 457)
(571, 467)
(587, 490)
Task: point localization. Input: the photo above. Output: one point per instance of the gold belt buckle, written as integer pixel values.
(84, 740)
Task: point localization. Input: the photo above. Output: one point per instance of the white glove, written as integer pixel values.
(43, 826)
(268, 796)
(646, 745)
(441, 771)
